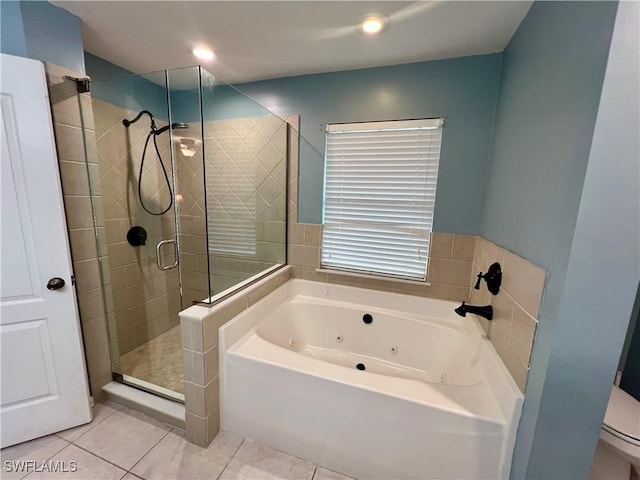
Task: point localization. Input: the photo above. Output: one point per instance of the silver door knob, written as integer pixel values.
(55, 283)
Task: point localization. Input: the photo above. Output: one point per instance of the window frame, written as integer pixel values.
(421, 159)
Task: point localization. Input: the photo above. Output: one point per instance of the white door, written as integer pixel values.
(43, 381)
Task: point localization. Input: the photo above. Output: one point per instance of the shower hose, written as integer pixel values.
(153, 133)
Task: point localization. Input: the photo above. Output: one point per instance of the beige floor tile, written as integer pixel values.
(325, 474)
(76, 463)
(38, 450)
(255, 461)
(100, 412)
(174, 458)
(123, 438)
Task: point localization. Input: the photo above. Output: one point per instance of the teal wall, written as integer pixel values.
(595, 309)
(101, 69)
(42, 31)
(12, 39)
(123, 88)
(463, 90)
(552, 74)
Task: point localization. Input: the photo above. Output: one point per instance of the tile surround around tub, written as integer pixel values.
(450, 264)
(454, 262)
(516, 306)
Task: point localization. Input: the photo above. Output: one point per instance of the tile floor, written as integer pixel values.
(159, 361)
(123, 444)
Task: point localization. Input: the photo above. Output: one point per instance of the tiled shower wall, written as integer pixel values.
(191, 218)
(246, 179)
(246, 175)
(146, 299)
(73, 126)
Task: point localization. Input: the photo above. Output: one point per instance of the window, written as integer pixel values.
(379, 196)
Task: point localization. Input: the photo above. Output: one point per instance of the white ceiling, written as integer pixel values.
(257, 40)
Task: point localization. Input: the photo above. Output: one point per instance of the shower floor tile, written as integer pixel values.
(122, 444)
(159, 361)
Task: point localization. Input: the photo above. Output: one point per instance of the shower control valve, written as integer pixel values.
(493, 278)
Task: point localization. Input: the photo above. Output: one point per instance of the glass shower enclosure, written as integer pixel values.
(192, 191)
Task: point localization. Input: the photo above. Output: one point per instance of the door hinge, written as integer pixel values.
(83, 85)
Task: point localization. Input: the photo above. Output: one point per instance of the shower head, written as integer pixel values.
(177, 125)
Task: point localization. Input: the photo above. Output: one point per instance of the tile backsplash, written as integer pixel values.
(515, 307)
(450, 262)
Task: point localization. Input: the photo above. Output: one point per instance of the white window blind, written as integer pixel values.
(231, 210)
(232, 236)
(379, 196)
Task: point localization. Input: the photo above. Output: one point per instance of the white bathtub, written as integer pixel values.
(433, 400)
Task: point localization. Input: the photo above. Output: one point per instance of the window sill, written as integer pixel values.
(374, 277)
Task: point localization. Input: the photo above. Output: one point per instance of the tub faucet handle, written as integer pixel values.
(477, 285)
(493, 278)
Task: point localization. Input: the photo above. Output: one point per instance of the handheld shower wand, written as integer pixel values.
(153, 133)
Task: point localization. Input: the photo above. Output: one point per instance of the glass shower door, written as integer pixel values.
(187, 145)
(245, 160)
(140, 255)
(191, 205)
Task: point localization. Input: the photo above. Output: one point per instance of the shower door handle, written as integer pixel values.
(158, 256)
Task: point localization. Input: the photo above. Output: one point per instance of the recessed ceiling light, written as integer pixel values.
(204, 53)
(374, 23)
